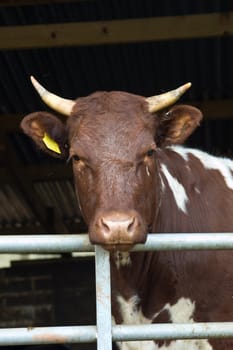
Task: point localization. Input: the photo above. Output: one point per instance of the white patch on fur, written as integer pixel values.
(182, 151)
(223, 165)
(181, 312)
(122, 259)
(132, 314)
(177, 189)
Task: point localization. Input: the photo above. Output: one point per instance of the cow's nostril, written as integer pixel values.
(132, 225)
(117, 228)
(105, 225)
(118, 225)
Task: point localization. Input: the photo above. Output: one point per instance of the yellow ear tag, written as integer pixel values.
(51, 144)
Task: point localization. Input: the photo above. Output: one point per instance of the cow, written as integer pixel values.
(132, 176)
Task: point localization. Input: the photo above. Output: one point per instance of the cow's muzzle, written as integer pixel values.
(117, 229)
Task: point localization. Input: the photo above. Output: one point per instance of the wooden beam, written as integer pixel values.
(10, 122)
(116, 31)
(216, 109)
(42, 172)
(54, 172)
(219, 109)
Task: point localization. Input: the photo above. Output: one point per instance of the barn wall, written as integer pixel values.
(48, 293)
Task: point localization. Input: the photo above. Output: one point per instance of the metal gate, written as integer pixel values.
(104, 332)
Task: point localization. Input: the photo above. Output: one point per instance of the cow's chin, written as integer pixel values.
(122, 247)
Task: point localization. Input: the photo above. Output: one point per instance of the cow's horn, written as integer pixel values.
(168, 98)
(59, 104)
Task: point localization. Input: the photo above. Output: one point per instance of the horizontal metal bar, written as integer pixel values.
(45, 243)
(186, 241)
(77, 334)
(170, 331)
(47, 335)
(80, 242)
(88, 334)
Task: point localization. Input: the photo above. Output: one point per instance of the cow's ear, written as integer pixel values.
(48, 132)
(177, 124)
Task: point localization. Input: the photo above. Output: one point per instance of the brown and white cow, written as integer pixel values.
(132, 177)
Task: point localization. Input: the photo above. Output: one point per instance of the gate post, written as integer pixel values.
(103, 299)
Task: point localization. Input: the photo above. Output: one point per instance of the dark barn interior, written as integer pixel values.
(74, 48)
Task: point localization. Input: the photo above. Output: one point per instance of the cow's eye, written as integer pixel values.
(150, 153)
(75, 157)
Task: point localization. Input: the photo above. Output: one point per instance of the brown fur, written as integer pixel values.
(111, 136)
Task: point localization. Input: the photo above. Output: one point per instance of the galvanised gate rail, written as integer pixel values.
(104, 333)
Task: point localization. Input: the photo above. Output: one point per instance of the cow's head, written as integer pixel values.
(112, 139)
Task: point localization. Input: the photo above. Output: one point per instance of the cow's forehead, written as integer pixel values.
(111, 120)
(108, 138)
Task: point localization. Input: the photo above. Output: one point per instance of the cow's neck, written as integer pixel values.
(192, 187)
(135, 287)
(186, 202)
(136, 275)
(137, 281)
(171, 195)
